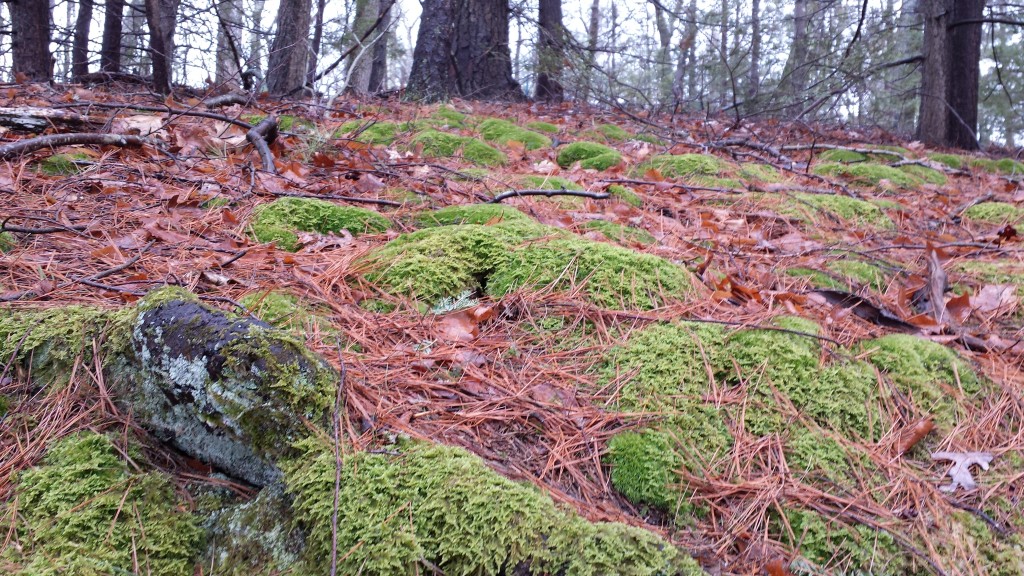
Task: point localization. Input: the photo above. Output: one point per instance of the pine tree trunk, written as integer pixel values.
(361, 61)
(432, 77)
(483, 62)
(161, 16)
(289, 53)
(80, 50)
(754, 78)
(551, 53)
(113, 23)
(592, 36)
(229, 43)
(30, 41)
(379, 68)
(796, 73)
(314, 49)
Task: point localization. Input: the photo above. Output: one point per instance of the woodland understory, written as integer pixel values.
(780, 348)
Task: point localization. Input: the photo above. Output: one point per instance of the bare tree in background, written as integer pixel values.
(229, 43)
(161, 17)
(360, 63)
(110, 50)
(30, 39)
(289, 53)
(80, 48)
(550, 51)
(379, 69)
(593, 33)
(796, 74)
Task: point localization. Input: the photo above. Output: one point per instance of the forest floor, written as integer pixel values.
(861, 233)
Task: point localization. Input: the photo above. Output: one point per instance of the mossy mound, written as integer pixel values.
(449, 116)
(437, 144)
(546, 127)
(995, 213)
(925, 174)
(869, 174)
(278, 221)
(860, 273)
(369, 132)
(612, 277)
(759, 173)
(858, 212)
(590, 155)
(470, 214)
(549, 183)
(503, 132)
(934, 378)
(1007, 166)
(619, 233)
(823, 541)
(952, 160)
(7, 242)
(285, 123)
(84, 512)
(62, 164)
(1004, 272)
(817, 278)
(842, 155)
(612, 132)
(441, 505)
(625, 194)
(683, 166)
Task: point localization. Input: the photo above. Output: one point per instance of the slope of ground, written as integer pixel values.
(776, 354)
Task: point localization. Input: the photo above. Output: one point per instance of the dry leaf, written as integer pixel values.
(914, 434)
(960, 473)
(996, 298)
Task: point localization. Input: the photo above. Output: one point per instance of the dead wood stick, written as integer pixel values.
(548, 193)
(16, 149)
(164, 109)
(261, 136)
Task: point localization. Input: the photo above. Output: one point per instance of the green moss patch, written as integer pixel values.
(450, 117)
(278, 221)
(612, 132)
(995, 213)
(823, 542)
(62, 164)
(861, 273)
(284, 311)
(369, 132)
(619, 233)
(858, 212)
(759, 172)
(427, 502)
(546, 127)
(1007, 166)
(817, 278)
(84, 512)
(841, 155)
(7, 242)
(471, 214)
(932, 376)
(549, 183)
(503, 132)
(625, 194)
(683, 166)
(869, 174)
(590, 155)
(952, 160)
(437, 144)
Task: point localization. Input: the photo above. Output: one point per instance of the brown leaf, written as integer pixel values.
(913, 434)
(457, 327)
(1000, 299)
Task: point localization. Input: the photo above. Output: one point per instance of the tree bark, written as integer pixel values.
(754, 78)
(551, 52)
(80, 49)
(432, 77)
(161, 16)
(379, 68)
(796, 73)
(229, 43)
(318, 34)
(592, 36)
(30, 40)
(360, 62)
(113, 22)
(289, 53)
(483, 63)
(949, 79)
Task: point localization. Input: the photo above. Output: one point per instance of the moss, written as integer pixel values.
(450, 117)
(997, 555)
(62, 164)
(838, 548)
(472, 174)
(1005, 272)
(869, 174)
(369, 132)
(683, 166)
(925, 174)
(612, 132)
(7, 242)
(1007, 166)
(995, 212)
(927, 372)
(590, 155)
(471, 214)
(858, 212)
(543, 127)
(255, 538)
(441, 504)
(887, 204)
(650, 139)
(444, 261)
(503, 132)
(841, 155)
(644, 467)
(951, 160)
(437, 144)
(278, 221)
(619, 233)
(817, 278)
(285, 312)
(163, 295)
(289, 123)
(83, 512)
(860, 272)
(626, 195)
(759, 172)
(549, 183)
(611, 276)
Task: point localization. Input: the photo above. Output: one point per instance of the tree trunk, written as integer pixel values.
(318, 34)
(379, 68)
(551, 54)
(161, 16)
(113, 22)
(229, 43)
(754, 79)
(949, 79)
(592, 36)
(796, 74)
(289, 53)
(664, 51)
(361, 61)
(30, 41)
(432, 77)
(483, 64)
(138, 57)
(80, 49)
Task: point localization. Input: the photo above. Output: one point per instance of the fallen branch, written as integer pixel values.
(261, 136)
(164, 109)
(548, 193)
(686, 187)
(16, 149)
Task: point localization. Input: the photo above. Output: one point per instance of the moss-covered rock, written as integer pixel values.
(858, 212)
(285, 311)
(539, 182)
(546, 127)
(437, 144)
(869, 174)
(369, 132)
(619, 233)
(625, 194)
(279, 220)
(261, 537)
(84, 512)
(440, 504)
(611, 276)
(503, 132)
(932, 376)
(470, 214)
(590, 155)
(995, 213)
